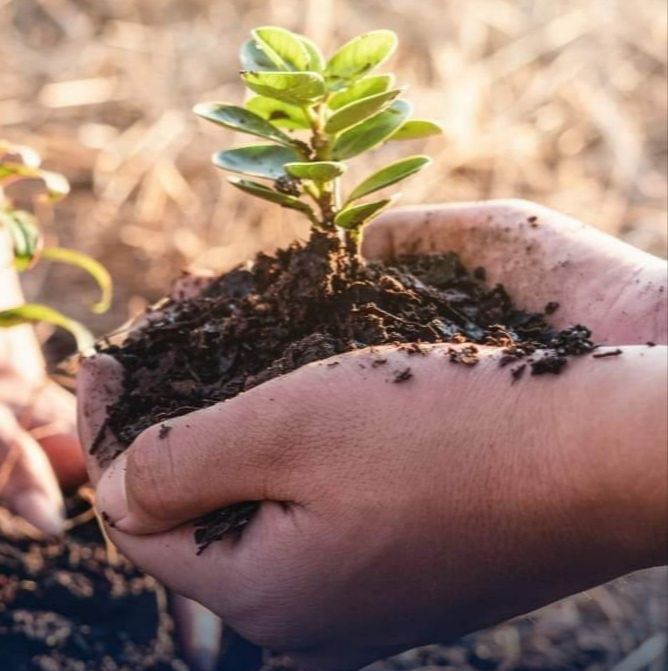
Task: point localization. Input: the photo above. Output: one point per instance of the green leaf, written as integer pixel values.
(360, 56)
(297, 88)
(416, 129)
(260, 160)
(317, 171)
(253, 58)
(261, 191)
(23, 230)
(57, 186)
(34, 312)
(369, 86)
(353, 217)
(371, 132)
(359, 110)
(282, 48)
(316, 59)
(240, 119)
(95, 269)
(388, 175)
(279, 113)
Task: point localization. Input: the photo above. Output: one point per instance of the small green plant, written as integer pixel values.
(317, 115)
(22, 163)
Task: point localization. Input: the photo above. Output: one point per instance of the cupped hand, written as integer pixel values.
(540, 256)
(396, 515)
(400, 514)
(39, 448)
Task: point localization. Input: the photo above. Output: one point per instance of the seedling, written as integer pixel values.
(317, 115)
(22, 163)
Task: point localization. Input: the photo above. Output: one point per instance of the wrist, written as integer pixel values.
(619, 443)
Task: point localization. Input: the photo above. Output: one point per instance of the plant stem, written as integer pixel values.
(328, 199)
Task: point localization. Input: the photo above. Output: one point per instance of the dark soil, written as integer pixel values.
(307, 303)
(64, 607)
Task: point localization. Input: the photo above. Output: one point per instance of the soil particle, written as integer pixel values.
(164, 431)
(378, 362)
(533, 221)
(402, 375)
(649, 343)
(414, 348)
(466, 355)
(548, 363)
(551, 308)
(308, 303)
(518, 372)
(603, 355)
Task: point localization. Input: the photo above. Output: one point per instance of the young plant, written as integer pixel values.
(318, 114)
(22, 163)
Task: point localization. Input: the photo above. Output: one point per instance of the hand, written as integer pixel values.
(397, 514)
(398, 524)
(39, 450)
(540, 256)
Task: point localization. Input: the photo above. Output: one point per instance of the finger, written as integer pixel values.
(52, 422)
(99, 384)
(226, 577)
(28, 485)
(171, 556)
(178, 470)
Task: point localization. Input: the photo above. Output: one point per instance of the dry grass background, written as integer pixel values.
(561, 101)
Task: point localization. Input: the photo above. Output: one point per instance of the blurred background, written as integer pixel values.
(560, 101)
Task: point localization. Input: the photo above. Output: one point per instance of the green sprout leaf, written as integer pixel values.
(283, 48)
(260, 160)
(369, 86)
(279, 113)
(416, 129)
(56, 185)
(265, 193)
(23, 230)
(34, 312)
(340, 108)
(352, 218)
(359, 57)
(95, 269)
(317, 171)
(359, 110)
(371, 132)
(253, 58)
(389, 175)
(296, 88)
(242, 120)
(316, 59)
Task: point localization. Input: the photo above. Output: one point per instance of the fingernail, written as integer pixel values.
(110, 498)
(39, 510)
